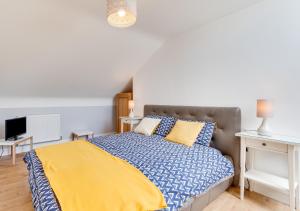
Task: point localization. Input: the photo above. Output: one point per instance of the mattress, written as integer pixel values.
(180, 172)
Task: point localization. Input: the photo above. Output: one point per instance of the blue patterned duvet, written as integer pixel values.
(178, 171)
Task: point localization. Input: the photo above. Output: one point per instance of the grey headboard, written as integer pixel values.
(228, 122)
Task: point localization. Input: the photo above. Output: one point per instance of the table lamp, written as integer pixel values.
(264, 109)
(131, 106)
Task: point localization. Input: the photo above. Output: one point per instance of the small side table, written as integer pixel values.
(129, 120)
(275, 143)
(76, 135)
(14, 144)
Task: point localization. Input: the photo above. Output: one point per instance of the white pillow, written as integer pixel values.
(147, 126)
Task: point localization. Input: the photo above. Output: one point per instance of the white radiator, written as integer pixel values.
(44, 128)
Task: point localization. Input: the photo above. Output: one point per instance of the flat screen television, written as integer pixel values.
(14, 128)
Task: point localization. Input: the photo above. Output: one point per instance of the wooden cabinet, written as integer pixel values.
(121, 102)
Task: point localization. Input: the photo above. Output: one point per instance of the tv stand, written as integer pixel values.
(15, 138)
(14, 144)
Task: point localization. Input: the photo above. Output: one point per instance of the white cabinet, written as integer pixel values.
(278, 144)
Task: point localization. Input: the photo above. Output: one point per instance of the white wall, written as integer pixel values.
(251, 54)
(82, 116)
(38, 102)
(62, 48)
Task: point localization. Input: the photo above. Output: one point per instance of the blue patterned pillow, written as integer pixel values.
(165, 126)
(206, 134)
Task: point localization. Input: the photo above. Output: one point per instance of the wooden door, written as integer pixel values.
(122, 109)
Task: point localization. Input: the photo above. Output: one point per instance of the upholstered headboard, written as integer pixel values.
(228, 122)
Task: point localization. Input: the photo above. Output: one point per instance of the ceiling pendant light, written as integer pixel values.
(121, 13)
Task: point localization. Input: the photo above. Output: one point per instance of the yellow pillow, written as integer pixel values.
(185, 132)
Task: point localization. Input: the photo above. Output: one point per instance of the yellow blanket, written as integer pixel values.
(87, 178)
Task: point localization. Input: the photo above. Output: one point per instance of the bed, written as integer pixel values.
(188, 182)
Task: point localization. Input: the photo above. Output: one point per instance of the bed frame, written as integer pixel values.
(228, 122)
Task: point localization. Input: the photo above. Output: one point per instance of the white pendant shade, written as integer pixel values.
(121, 13)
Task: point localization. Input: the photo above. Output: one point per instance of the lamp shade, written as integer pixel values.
(130, 104)
(121, 13)
(264, 108)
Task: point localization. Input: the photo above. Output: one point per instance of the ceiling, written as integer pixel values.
(165, 18)
(65, 48)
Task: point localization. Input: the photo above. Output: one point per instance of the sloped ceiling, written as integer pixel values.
(65, 48)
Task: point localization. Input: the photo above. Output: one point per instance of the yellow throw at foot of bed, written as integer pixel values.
(87, 178)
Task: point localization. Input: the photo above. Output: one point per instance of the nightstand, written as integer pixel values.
(76, 135)
(14, 144)
(274, 143)
(129, 120)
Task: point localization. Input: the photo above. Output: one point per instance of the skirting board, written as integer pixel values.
(26, 147)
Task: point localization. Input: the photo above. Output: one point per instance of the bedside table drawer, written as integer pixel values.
(128, 121)
(266, 145)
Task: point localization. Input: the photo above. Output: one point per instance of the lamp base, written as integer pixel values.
(264, 129)
(131, 114)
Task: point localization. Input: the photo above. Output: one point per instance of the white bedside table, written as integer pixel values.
(77, 134)
(274, 143)
(131, 121)
(14, 144)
